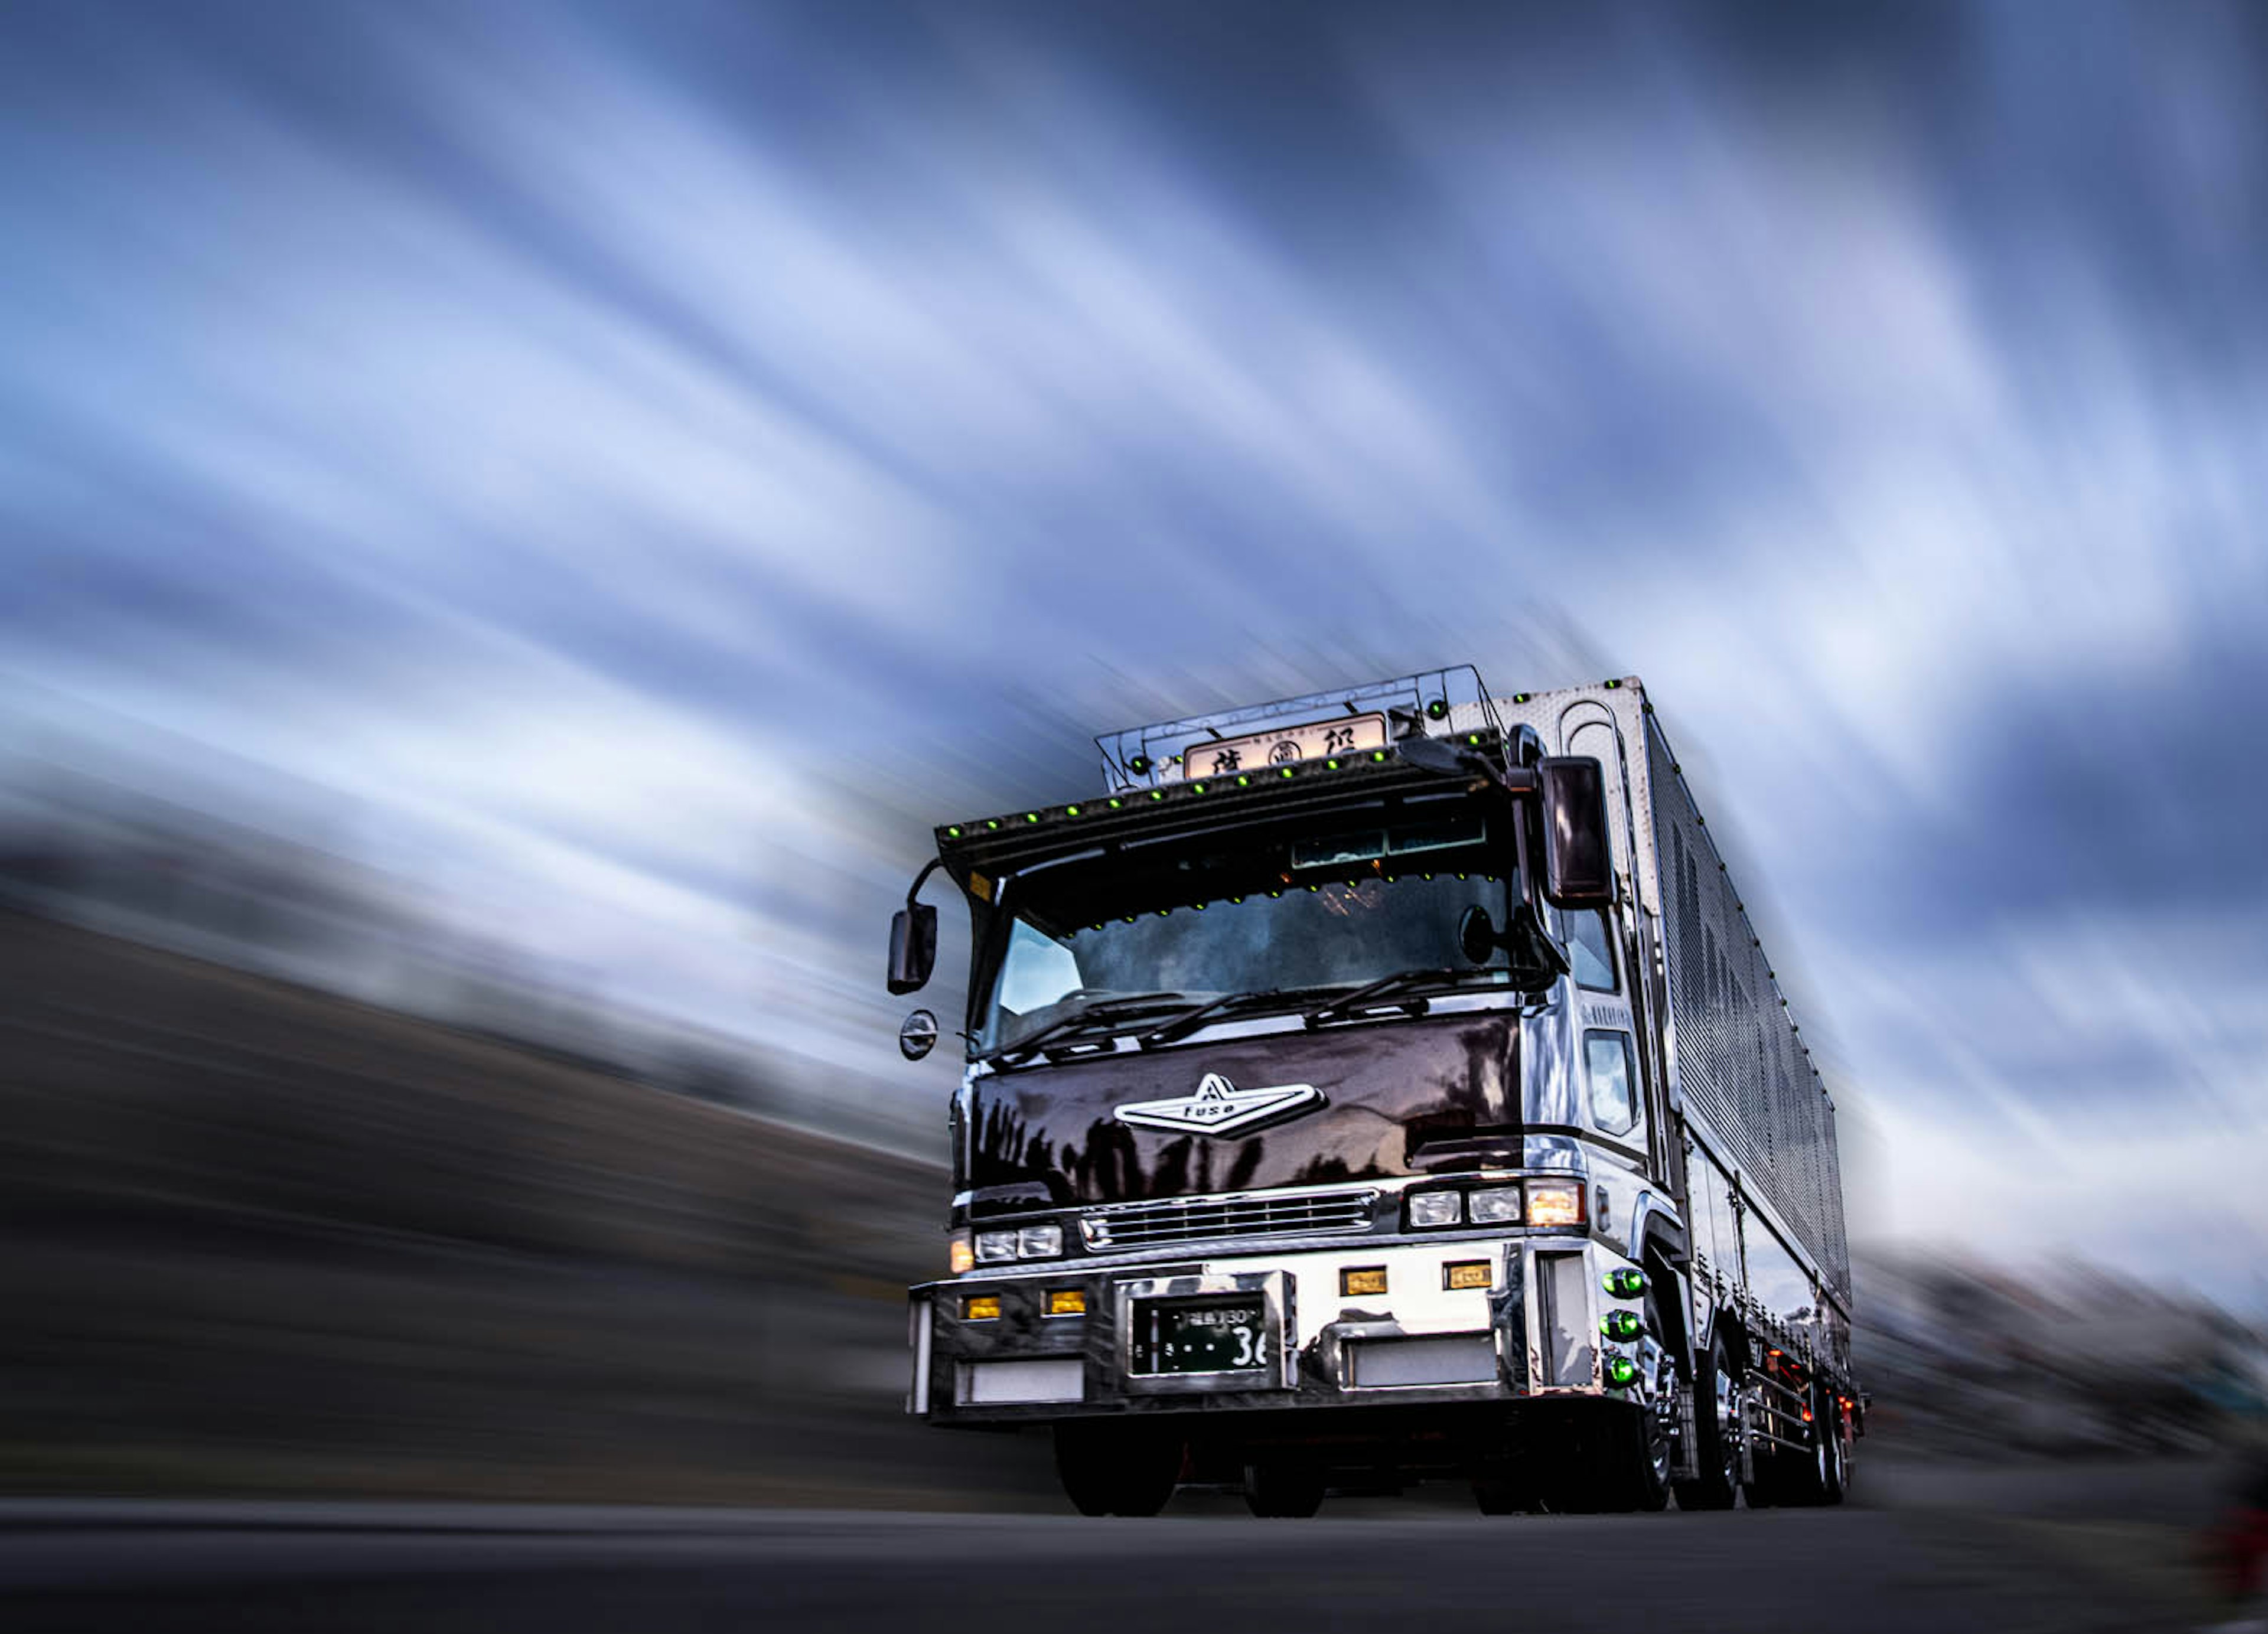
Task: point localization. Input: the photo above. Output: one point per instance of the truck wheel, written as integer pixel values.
(1615, 1462)
(1814, 1476)
(1834, 1467)
(1717, 1433)
(1116, 1468)
(1643, 1449)
(1283, 1489)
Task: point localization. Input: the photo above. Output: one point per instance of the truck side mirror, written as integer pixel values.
(1578, 864)
(913, 947)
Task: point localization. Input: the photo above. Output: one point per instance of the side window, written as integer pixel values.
(1613, 1100)
(1590, 951)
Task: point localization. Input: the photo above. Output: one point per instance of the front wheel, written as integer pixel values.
(1716, 1434)
(1615, 1462)
(1113, 1468)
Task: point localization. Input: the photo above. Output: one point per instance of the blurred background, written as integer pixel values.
(517, 520)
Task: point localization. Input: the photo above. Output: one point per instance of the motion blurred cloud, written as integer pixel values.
(649, 464)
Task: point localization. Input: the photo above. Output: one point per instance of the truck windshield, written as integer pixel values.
(1136, 940)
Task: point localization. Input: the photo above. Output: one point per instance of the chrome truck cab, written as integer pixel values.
(1305, 1135)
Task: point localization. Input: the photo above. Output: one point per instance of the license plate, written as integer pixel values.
(1285, 745)
(1212, 1337)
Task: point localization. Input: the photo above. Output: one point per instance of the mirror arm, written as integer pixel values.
(921, 878)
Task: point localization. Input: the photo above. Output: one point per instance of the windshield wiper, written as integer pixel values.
(1102, 1012)
(1190, 1020)
(1366, 997)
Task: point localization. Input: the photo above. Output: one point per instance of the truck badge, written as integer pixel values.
(1220, 1107)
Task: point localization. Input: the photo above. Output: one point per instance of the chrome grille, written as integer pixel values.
(1265, 1214)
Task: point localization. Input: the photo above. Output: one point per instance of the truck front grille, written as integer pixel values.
(1187, 1219)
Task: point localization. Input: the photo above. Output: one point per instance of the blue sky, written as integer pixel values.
(637, 466)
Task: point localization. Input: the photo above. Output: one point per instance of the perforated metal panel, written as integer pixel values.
(1736, 1060)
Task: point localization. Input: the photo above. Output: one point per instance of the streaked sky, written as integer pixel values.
(631, 468)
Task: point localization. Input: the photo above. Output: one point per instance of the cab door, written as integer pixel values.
(1588, 727)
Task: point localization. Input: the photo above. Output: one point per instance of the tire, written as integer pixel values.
(1811, 1479)
(1615, 1462)
(1109, 1467)
(1283, 1489)
(1645, 1462)
(1827, 1412)
(1716, 1396)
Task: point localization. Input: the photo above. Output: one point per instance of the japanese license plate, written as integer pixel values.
(1206, 1336)
(1285, 745)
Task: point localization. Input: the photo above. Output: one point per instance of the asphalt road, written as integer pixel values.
(2060, 1547)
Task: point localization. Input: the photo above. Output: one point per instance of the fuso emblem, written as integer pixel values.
(1220, 1107)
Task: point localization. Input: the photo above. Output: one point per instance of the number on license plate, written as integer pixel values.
(1202, 1338)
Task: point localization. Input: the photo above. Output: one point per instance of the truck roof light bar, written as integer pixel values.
(1241, 791)
(1433, 703)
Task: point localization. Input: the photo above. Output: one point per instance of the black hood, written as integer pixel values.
(1398, 1098)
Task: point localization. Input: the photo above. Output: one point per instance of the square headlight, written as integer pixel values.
(1497, 1205)
(1555, 1203)
(1436, 1208)
(995, 1245)
(1038, 1242)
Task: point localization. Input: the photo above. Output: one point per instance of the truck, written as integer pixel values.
(1379, 1087)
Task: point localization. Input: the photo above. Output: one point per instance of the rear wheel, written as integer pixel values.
(1834, 1465)
(1716, 1432)
(1110, 1468)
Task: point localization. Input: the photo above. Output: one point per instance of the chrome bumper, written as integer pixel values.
(1535, 1330)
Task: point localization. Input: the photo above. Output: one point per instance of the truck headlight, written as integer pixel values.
(1038, 1242)
(1436, 1208)
(1555, 1203)
(995, 1245)
(1497, 1205)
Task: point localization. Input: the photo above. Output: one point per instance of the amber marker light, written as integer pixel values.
(1370, 1279)
(980, 1307)
(960, 1254)
(1066, 1302)
(1467, 1273)
(1554, 1202)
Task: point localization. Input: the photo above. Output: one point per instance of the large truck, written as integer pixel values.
(1379, 1086)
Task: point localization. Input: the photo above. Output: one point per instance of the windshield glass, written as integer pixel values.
(1139, 935)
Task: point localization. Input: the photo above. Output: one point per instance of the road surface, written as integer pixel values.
(2047, 1547)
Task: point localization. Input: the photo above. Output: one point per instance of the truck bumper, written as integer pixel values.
(1533, 1330)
